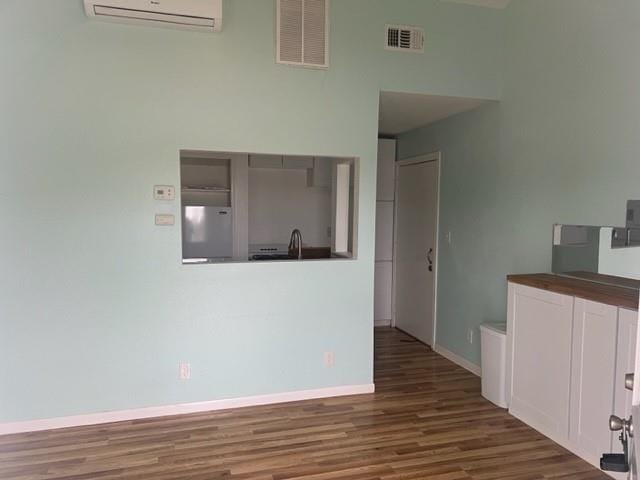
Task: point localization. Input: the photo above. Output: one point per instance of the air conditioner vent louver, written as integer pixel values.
(200, 15)
(302, 33)
(128, 13)
(404, 38)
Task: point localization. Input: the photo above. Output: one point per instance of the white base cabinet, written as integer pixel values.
(539, 327)
(625, 363)
(593, 366)
(566, 362)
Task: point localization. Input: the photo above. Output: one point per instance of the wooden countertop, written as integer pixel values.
(608, 279)
(616, 291)
(316, 252)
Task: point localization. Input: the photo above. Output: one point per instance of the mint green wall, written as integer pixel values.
(96, 310)
(562, 146)
(471, 287)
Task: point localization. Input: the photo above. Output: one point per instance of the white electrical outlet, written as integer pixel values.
(184, 371)
(470, 335)
(329, 359)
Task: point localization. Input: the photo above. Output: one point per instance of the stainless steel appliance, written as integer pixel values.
(269, 251)
(206, 232)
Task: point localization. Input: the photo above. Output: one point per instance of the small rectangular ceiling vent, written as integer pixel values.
(302, 33)
(404, 38)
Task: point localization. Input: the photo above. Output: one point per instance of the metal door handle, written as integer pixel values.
(618, 462)
(430, 259)
(626, 425)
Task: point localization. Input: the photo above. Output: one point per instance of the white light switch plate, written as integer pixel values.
(165, 219)
(164, 192)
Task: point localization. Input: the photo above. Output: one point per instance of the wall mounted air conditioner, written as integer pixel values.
(201, 15)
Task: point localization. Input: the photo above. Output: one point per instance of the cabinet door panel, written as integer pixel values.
(384, 231)
(625, 363)
(382, 291)
(592, 376)
(320, 174)
(539, 352)
(386, 169)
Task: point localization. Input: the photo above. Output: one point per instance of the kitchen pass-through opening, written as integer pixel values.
(241, 207)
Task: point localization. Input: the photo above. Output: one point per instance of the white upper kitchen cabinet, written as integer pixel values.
(265, 161)
(539, 335)
(592, 377)
(297, 162)
(319, 175)
(386, 169)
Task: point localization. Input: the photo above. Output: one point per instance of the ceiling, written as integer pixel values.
(483, 3)
(401, 112)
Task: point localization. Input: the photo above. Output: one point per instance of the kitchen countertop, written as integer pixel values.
(616, 291)
(314, 254)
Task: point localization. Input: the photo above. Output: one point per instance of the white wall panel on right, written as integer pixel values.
(385, 190)
(384, 231)
(382, 292)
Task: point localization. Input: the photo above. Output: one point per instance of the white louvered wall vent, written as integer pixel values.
(302, 33)
(404, 38)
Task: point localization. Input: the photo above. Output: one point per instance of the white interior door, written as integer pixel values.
(416, 246)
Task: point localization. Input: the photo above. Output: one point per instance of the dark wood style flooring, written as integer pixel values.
(426, 420)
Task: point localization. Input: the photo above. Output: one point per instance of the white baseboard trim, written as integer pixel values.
(195, 407)
(382, 323)
(457, 359)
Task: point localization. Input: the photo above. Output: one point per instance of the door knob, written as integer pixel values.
(618, 462)
(628, 381)
(430, 259)
(616, 423)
